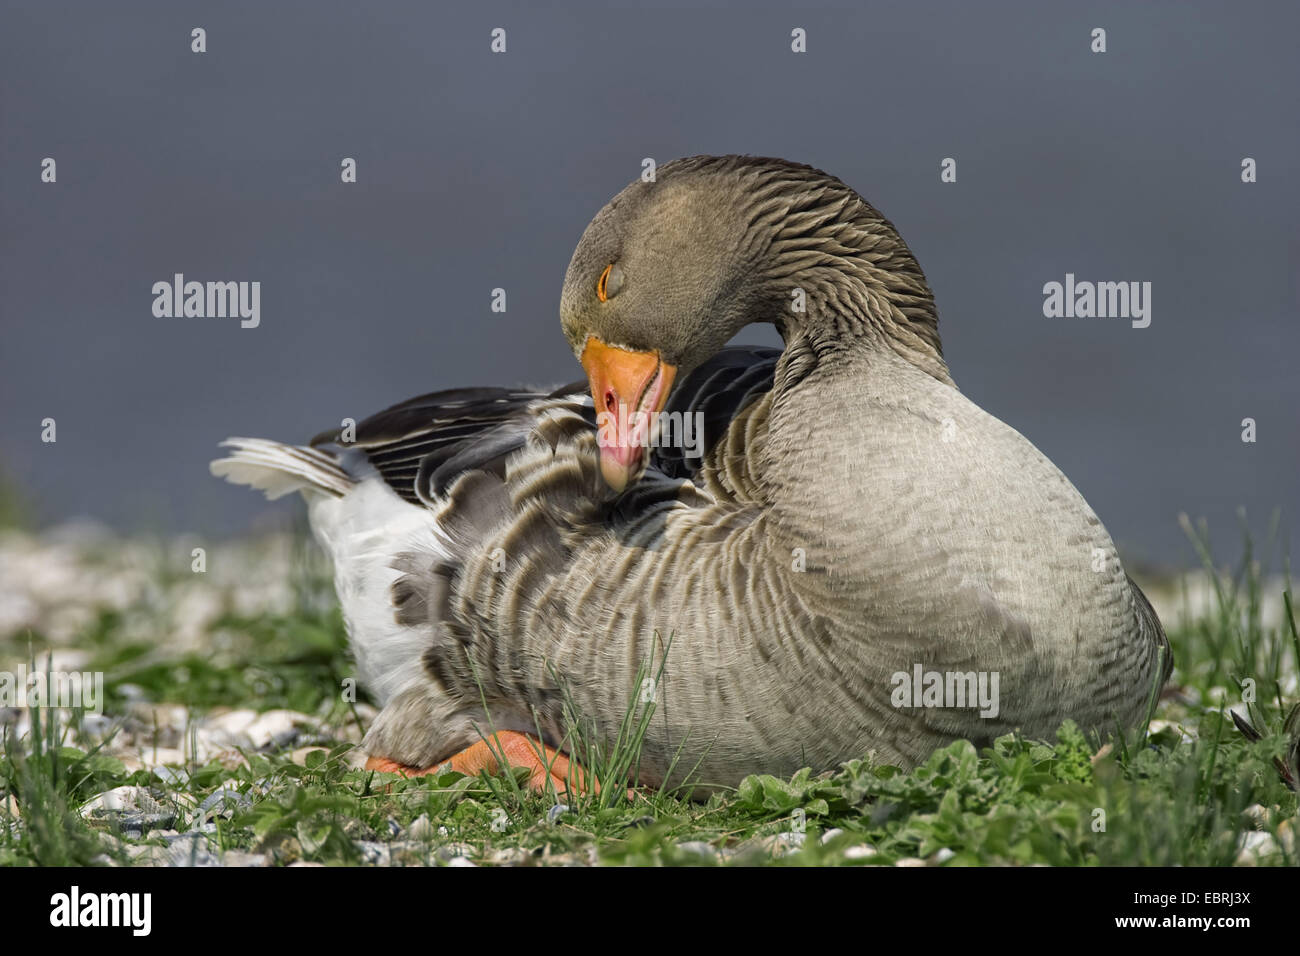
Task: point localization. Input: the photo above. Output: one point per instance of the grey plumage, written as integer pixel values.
(853, 516)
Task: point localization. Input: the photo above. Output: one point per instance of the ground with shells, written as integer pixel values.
(227, 738)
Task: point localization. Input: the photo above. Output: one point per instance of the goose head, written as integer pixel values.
(670, 270)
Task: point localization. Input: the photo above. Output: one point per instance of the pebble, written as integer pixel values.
(410, 853)
(557, 811)
(172, 776)
(231, 759)
(943, 856)
(862, 851)
(223, 801)
(910, 861)
(359, 829)
(1255, 846)
(140, 824)
(151, 757)
(229, 724)
(790, 840)
(698, 848)
(160, 716)
(96, 726)
(248, 730)
(420, 829)
(772, 845)
(189, 849)
(1257, 814)
(299, 756)
(460, 861)
(452, 850)
(375, 854)
(123, 799)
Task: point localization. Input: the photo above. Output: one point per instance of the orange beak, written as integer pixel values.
(630, 390)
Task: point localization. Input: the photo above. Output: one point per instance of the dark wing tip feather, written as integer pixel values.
(422, 445)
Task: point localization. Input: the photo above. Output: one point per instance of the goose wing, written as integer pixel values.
(420, 446)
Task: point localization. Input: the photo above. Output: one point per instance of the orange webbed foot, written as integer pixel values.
(549, 770)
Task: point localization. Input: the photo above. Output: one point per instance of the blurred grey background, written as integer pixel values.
(478, 170)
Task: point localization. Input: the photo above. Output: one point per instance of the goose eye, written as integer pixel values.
(611, 280)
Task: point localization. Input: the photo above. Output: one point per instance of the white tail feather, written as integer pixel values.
(277, 469)
(363, 525)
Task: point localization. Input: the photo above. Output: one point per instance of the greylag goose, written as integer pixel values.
(849, 533)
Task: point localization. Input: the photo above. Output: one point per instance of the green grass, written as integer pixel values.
(1188, 793)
